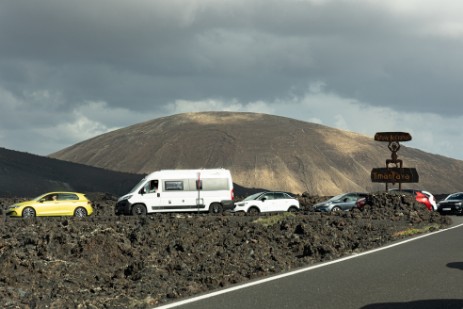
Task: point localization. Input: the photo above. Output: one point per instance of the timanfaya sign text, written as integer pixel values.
(394, 175)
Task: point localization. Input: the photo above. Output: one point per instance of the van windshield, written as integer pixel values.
(137, 185)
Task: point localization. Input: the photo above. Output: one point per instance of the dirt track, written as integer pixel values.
(127, 262)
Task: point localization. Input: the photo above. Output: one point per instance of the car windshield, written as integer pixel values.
(38, 198)
(253, 197)
(335, 198)
(455, 196)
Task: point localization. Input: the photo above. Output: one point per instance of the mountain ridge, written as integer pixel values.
(262, 151)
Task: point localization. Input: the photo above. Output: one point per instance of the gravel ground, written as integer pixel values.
(105, 261)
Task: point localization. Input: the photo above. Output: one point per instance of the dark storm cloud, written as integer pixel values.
(157, 51)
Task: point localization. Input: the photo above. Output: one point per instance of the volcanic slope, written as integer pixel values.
(262, 151)
(27, 175)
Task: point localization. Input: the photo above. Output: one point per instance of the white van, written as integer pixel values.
(205, 190)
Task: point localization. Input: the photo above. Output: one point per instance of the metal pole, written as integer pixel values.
(198, 187)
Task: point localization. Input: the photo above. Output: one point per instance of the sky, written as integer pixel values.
(72, 70)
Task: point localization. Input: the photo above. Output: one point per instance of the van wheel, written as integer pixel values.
(138, 210)
(253, 211)
(215, 208)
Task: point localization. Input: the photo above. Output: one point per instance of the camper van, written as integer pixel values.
(201, 190)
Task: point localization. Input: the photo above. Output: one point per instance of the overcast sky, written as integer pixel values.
(71, 70)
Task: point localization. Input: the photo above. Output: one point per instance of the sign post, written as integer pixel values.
(394, 172)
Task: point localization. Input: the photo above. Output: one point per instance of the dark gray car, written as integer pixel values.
(345, 202)
(452, 204)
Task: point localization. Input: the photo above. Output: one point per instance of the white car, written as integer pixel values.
(431, 198)
(267, 202)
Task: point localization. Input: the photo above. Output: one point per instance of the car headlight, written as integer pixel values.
(124, 198)
(240, 204)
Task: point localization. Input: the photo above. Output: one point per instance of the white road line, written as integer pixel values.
(294, 272)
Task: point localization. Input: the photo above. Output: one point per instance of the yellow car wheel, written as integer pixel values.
(28, 212)
(80, 212)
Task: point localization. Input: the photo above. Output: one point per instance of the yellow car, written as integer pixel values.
(53, 204)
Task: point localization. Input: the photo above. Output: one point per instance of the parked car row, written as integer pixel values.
(281, 201)
(452, 204)
(76, 204)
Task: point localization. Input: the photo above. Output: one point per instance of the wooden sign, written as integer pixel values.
(393, 137)
(394, 175)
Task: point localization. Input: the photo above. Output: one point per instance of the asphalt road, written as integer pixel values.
(424, 272)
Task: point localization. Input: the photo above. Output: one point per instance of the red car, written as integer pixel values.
(423, 197)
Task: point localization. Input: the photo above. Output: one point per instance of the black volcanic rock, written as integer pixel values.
(105, 261)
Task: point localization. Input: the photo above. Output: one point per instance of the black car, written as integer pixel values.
(451, 205)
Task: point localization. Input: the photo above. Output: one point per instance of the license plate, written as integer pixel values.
(446, 209)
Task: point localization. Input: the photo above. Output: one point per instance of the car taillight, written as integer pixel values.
(232, 194)
(361, 202)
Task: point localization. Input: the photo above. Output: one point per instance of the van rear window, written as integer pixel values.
(207, 184)
(215, 184)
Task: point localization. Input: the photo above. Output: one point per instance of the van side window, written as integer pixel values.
(171, 185)
(151, 186)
